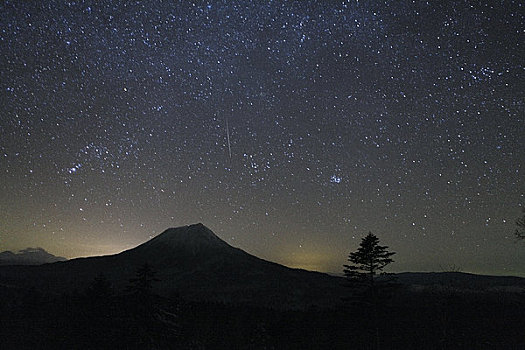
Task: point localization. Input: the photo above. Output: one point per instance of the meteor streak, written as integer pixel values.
(228, 139)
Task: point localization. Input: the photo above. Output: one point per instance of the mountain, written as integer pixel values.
(28, 256)
(193, 262)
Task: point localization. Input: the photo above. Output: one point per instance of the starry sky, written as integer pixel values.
(289, 128)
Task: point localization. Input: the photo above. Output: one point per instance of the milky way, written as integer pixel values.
(291, 129)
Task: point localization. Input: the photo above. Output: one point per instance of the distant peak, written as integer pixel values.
(28, 256)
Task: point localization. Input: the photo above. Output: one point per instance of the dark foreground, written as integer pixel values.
(433, 318)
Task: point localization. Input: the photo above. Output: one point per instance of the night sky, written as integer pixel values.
(290, 129)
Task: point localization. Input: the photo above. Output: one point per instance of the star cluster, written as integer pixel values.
(291, 129)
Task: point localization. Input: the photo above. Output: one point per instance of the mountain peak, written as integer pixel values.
(194, 236)
(198, 226)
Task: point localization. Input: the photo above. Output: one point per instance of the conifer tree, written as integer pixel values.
(369, 260)
(100, 288)
(142, 285)
(366, 263)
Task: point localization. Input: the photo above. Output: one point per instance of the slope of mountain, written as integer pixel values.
(194, 263)
(28, 256)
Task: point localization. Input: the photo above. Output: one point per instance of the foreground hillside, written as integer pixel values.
(94, 319)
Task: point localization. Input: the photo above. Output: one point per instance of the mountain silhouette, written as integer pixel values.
(28, 256)
(193, 262)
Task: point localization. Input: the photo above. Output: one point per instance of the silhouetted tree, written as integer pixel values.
(142, 285)
(369, 260)
(99, 296)
(366, 263)
(144, 305)
(100, 288)
(156, 322)
(520, 226)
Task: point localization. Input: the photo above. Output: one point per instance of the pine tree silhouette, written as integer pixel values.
(142, 285)
(100, 288)
(366, 263)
